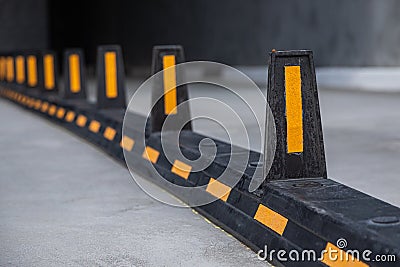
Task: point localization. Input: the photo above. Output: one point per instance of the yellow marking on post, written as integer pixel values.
(60, 113)
(150, 154)
(110, 65)
(271, 219)
(38, 104)
(49, 78)
(81, 120)
(70, 116)
(32, 71)
(109, 133)
(20, 62)
(294, 109)
(52, 110)
(218, 189)
(94, 126)
(169, 85)
(10, 69)
(74, 73)
(127, 143)
(181, 169)
(45, 106)
(335, 257)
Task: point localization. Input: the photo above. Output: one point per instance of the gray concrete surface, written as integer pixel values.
(64, 203)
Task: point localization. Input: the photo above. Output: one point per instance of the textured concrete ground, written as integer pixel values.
(62, 202)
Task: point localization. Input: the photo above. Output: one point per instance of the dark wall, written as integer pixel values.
(341, 32)
(23, 24)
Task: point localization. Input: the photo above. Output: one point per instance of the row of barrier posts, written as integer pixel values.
(296, 209)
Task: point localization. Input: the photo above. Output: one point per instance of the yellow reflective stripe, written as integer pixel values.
(127, 143)
(181, 169)
(110, 65)
(20, 62)
(150, 154)
(109, 133)
(74, 73)
(32, 71)
(45, 106)
(335, 257)
(294, 109)
(52, 110)
(169, 85)
(60, 113)
(38, 103)
(81, 120)
(49, 79)
(94, 126)
(10, 69)
(70, 116)
(271, 219)
(218, 189)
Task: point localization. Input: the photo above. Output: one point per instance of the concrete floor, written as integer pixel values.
(64, 203)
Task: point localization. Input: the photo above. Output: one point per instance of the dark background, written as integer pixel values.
(340, 32)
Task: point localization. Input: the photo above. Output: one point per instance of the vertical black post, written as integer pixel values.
(293, 98)
(74, 74)
(166, 94)
(50, 71)
(110, 77)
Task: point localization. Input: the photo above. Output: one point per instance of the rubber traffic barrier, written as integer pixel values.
(296, 210)
(50, 72)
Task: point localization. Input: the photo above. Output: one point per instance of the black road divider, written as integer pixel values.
(297, 209)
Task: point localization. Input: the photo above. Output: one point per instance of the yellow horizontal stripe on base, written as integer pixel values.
(127, 143)
(45, 106)
(150, 154)
(271, 219)
(60, 113)
(335, 257)
(94, 126)
(52, 110)
(109, 133)
(70, 116)
(181, 169)
(218, 189)
(81, 120)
